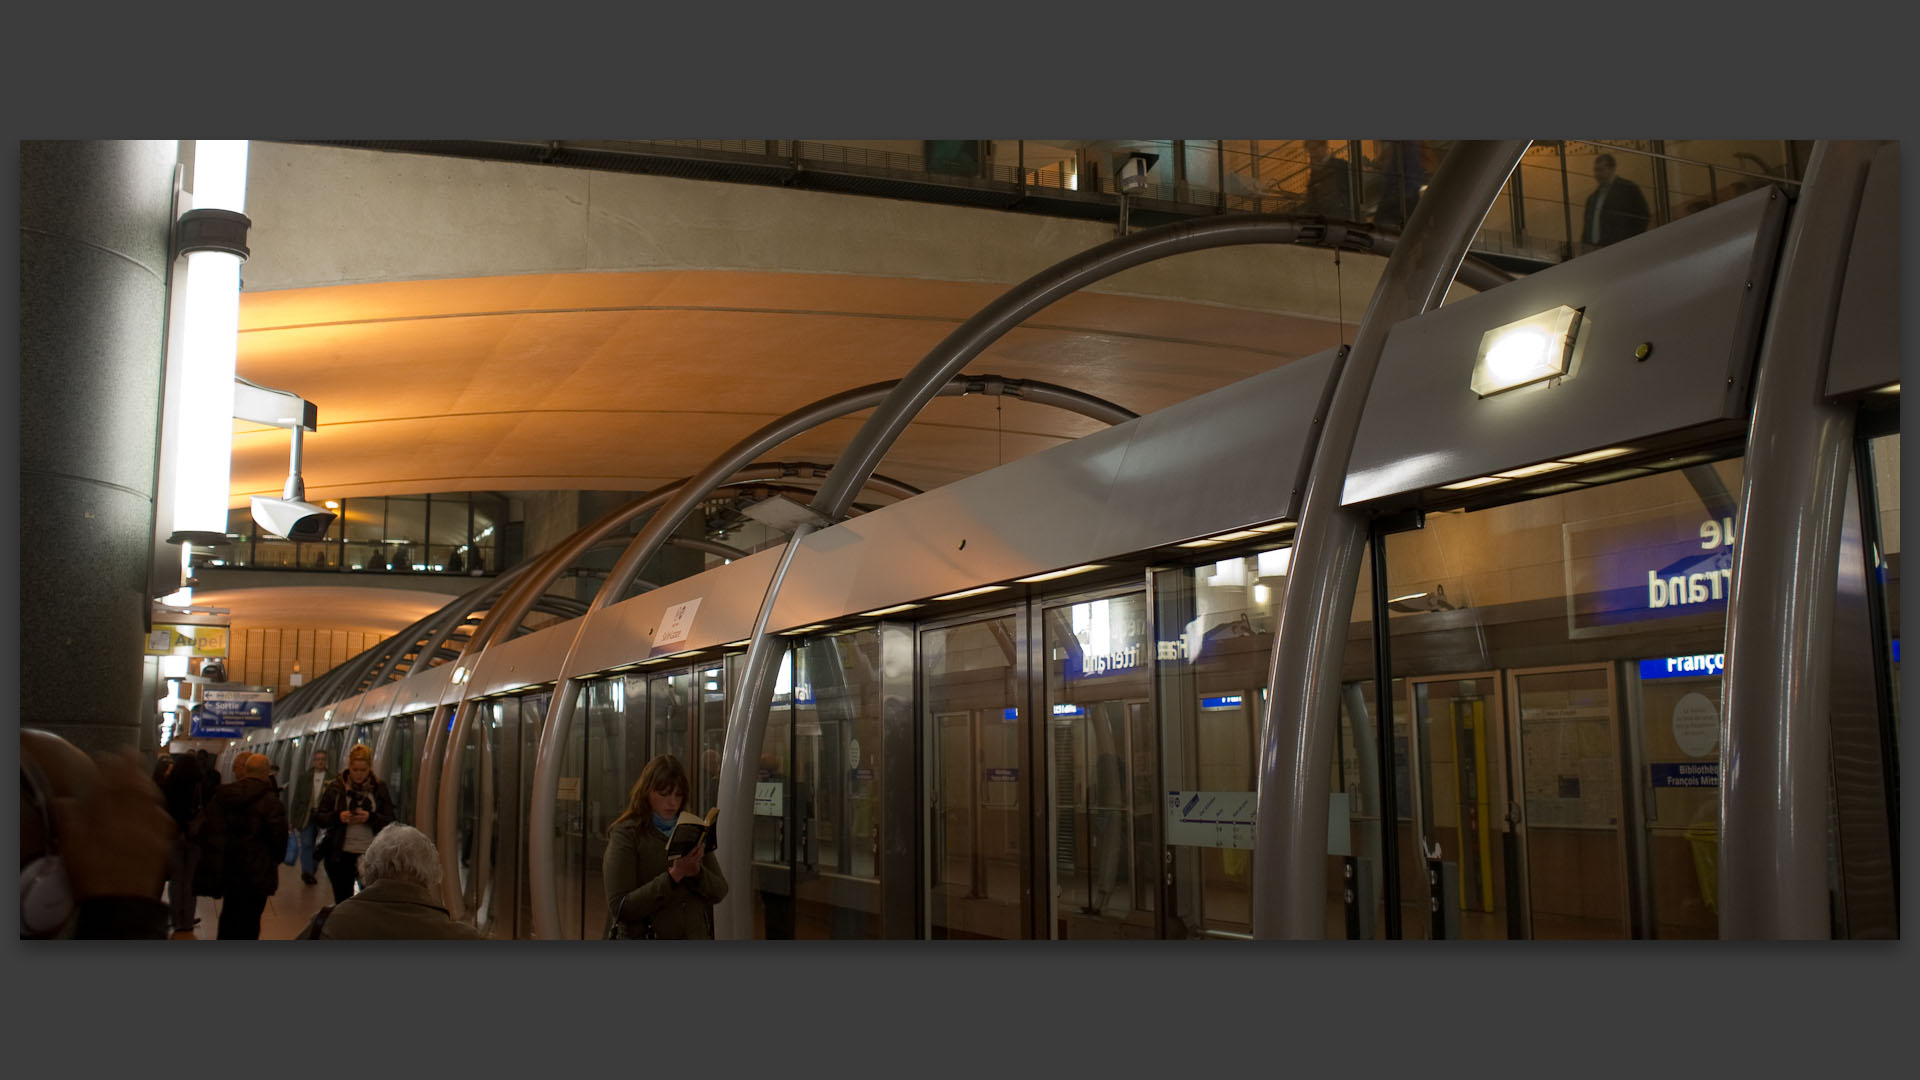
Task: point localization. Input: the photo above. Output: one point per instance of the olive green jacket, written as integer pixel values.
(642, 895)
(395, 910)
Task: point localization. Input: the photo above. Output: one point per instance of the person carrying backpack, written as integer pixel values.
(243, 834)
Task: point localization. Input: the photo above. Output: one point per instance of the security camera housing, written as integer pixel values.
(292, 519)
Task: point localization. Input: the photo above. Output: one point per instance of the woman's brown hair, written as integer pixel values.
(664, 773)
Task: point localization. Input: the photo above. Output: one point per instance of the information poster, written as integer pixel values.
(1568, 763)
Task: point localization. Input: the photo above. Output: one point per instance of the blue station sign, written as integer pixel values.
(1697, 666)
(243, 706)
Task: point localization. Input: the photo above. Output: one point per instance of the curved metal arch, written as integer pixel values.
(466, 604)
(506, 621)
(689, 495)
(746, 721)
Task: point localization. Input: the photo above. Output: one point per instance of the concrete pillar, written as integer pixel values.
(94, 234)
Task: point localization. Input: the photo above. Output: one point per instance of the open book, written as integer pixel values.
(690, 831)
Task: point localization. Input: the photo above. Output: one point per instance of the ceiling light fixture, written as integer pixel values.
(964, 593)
(1054, 574)
(894, 610)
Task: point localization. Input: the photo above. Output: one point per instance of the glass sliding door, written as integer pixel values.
(1099, 740)
(776, 813)
(837, 741)
(973, 703)
(1561, 656)
(1463, 801)
(1567, 771)
(1213, 625)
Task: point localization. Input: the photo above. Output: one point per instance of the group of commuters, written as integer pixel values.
(1616, 209)
(102, 841)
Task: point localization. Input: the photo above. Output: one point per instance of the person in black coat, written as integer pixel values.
(1615, 210)
(355, 806)
(185, 794)
(1328, 183)
(243, 836)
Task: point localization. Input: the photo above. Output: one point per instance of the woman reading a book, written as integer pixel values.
(652, 893)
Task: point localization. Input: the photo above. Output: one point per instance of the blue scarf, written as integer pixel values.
(663, 824)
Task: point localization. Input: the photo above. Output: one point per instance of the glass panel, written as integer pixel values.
(334, 743)
(1215, 624)
(1569, 785)
(1097, 667)
(498, 912)
(616, 753)
(979, 873)
(836, 717)
(1564, 657)
(408, 737)
(533, 718)
(670, 714)
(447, 519)
(570, 846)
(1359, 909)
(1463, 799)
(775, 819)
(1623, 209)
(488, 513)
(1886, 493)
(705, 769)
(450, 544)
(1544, 209)
(477, 816)
(1393, 175)
(407, 531)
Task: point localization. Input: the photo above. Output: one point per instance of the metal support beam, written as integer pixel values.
(1774, 731)
(1296, 739)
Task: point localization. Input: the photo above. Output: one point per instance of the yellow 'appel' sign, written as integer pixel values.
(186, 639)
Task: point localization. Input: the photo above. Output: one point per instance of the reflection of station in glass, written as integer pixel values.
(1421, 602)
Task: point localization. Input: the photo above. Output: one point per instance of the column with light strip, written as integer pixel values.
(212, 239)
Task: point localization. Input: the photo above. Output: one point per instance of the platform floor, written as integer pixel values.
(287, 909)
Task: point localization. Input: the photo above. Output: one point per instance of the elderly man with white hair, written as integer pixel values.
(399, 874)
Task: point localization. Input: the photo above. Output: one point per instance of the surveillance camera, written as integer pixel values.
(1130, 172)
(292, 518)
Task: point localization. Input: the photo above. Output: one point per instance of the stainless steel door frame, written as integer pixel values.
(1517, 762)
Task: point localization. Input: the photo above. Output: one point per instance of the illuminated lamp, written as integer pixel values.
(1525, 352)
(212, 238)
